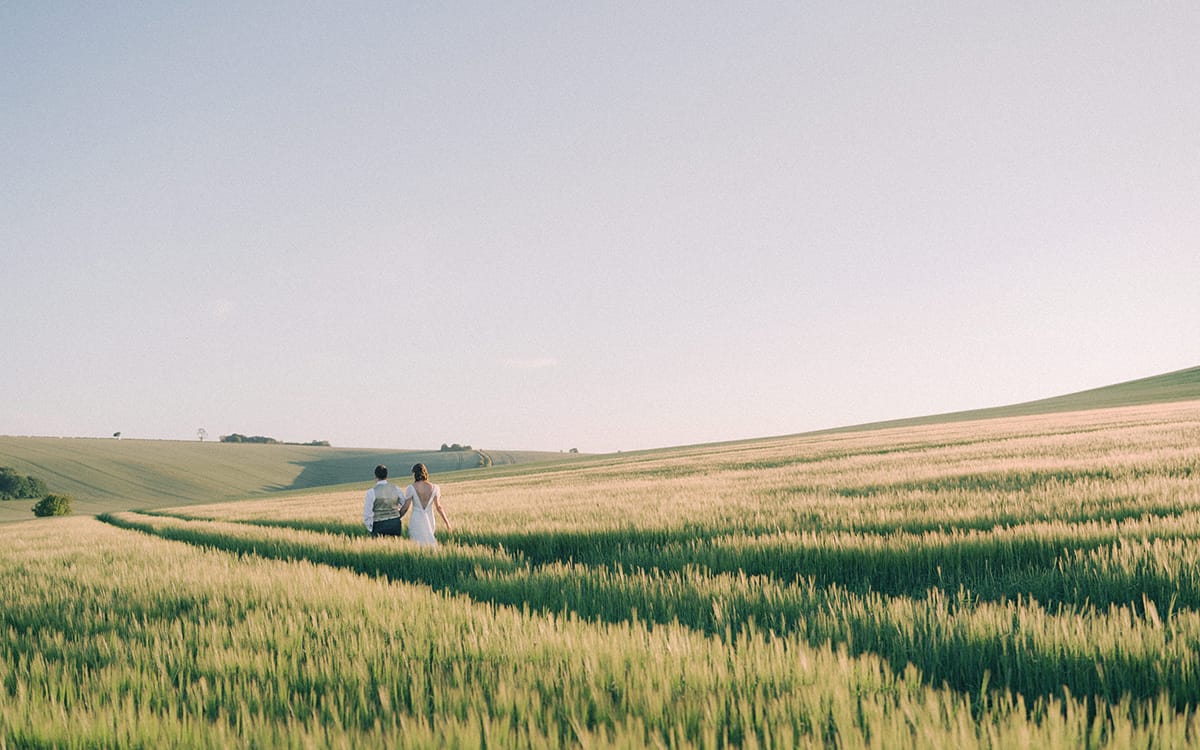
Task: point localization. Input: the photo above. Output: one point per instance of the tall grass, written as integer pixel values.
(1022, 583)
(138, 641)
(954, 637)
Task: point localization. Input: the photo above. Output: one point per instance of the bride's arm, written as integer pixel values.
(437, 503)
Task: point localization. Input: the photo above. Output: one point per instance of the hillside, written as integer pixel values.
(1025, 582)
(105, 474)
(1181, 385)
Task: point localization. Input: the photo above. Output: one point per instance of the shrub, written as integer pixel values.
(14, 486)
(53, 505)
(237, 437)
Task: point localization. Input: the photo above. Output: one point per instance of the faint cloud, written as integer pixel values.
(223, 308)
(530, 363)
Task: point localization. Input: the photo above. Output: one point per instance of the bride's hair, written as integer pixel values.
(420, 473)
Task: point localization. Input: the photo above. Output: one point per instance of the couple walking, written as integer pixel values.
(383, 510)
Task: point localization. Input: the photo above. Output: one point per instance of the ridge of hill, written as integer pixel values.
(1180, 385)
(103, 473)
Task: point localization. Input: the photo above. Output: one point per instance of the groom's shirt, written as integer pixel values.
(381, 504)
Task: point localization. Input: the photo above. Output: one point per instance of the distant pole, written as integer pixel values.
(202, 433)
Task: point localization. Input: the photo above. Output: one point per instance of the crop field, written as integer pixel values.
(106, 474)
(1027, 582)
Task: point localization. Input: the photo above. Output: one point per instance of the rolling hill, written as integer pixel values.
(106, 474)
(1181, 385)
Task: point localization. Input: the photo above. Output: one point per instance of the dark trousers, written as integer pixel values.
(390, 527)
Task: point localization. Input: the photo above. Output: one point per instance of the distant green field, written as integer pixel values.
(1171, 387)
(105, 475)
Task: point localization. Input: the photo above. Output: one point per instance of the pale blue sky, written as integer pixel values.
(603, 226)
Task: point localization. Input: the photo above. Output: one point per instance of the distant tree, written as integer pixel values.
(15, 486)
(53, 505)
(117, 435)
(36, 487)
(10, 483)
(574, 450)
(444, 448)
(456, 447)
(202, 433)
(319, 443)
(237, 437)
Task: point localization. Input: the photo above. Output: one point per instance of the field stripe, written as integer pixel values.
(1114, 654)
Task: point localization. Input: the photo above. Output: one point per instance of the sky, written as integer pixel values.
(603, 226)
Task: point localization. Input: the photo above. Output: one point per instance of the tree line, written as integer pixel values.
(17, 486)
(237, 437)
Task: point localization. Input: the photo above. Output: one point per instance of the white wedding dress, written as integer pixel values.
(420, 522)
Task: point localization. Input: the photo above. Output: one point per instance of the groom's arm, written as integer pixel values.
(369, 510)
(405, 505)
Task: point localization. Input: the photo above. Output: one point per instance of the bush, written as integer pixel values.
(53, 505)
(237, 437)
(13, 486)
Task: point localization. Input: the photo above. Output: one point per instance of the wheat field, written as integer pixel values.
(106, 475)
(1013, 583)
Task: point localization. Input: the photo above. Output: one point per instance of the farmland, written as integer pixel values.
(1022, 582)
(106, 474)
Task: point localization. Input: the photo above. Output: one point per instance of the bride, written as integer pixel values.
(424, 497)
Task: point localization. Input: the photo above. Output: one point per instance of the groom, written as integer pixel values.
(381, 511)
